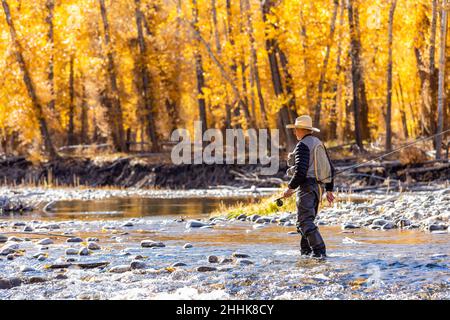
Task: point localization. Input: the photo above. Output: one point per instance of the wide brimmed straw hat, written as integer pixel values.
(303, 122)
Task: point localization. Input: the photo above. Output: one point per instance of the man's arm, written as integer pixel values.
(301, 165)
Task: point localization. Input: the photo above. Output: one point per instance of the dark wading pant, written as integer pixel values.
(307, 207)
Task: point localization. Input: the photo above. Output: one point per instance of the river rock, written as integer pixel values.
(380, 222)
(244, 262)
(241, 217)
(348, 226)
(74, 240)
(187, 246)
(50, 226)
(254, 217)
(152, 244)
(93, 246)
(136, 264)
(206, 269)
(10, 257)
(83, 251)
(36, 279)
(262, 220)
(3, 239)
(388, 226)
(292, 233)
(28, 229)
(45, 242)
(195, 224)
(128, 224)
(9, 247)
(15, 239)
(71, 251)
(42, 257)
(120, 269)
(226, 261)
(437, 227)
(10, 283)
(239, 255)
(288, 224)
(178, 264)
(213, 259)
(92, 239)
(25, 269)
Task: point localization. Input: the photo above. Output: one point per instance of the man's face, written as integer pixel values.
(300, 133)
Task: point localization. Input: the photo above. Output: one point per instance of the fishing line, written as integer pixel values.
(279, 201)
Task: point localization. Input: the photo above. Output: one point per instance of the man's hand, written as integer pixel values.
(288, 193)
(330, 197)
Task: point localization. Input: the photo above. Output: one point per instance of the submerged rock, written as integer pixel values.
(84, 251)
(195, 224)
(178, 264)
(152, 244)
(71, 251)
(244, 262)
(45, 242)
(137, 265)
(3, 239)
(206, 269)
(74, 240)
(239, 255)
(213, 259)
(187, 246)
(93, 246)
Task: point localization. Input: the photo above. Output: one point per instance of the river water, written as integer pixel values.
(362, 264)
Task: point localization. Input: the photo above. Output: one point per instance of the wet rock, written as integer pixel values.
(83, 252)
(195, 224)
(3, 239)
(128, 224)
(33, 280)
(28, 229)
(18, 224)
(91, 265)
(50, 226)
(61, 276)
(8, 248)
(239, 255)
(15, 239)
(178, 264)
(206, 269)
(262, 220)
(152, 244)
(42, 258)
(92, 239)
(348, 226)
(120, 269)
(244, 262)
(380, 222)
(388, 226)
(25, 269)
(10, 283)
(293, 233)
(187, 246)
(74, 240)
(402, 223)
(437, 227)
(213, 259)
(71, 251)
(254, 217)
(226, 261)
(10, 257)
(45, 242)
(137, 265)
(241, 217)
(93, 246)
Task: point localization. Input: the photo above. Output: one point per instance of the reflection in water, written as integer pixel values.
(140, 207)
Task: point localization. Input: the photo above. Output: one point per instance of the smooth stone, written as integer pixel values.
(437, 227)
(254, 217)
(178, 264)
(15, 239)
(3, 239)
(10, 283)
(42, 258)
(71, 251)
(152, 244)
(262, 220)
(213, 259)
(32, 280)
(226, 261)
(137, 265)
(45, 242)
(19, 224)
(348, 226)
(195, 224)
(92, 239)
(28, 229)
(8, 248)
(61, 276)
(380, 222)
(128, 224)
(25, 269)
(388, 226)
(292, 233)
(74, 240)
(206, 269)
(93, 246)
(187, 246)
(239, 255)
(10, 257)
(83, 251)
(50, 226)
(120, 269)
(241, 217)
(244, 262)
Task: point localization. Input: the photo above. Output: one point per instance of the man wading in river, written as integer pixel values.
(311, 169)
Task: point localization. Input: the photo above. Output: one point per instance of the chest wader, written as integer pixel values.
(308, 201)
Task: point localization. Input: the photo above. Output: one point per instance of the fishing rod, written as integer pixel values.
(279, 200)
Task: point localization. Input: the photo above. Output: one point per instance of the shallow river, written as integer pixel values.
(362, 264)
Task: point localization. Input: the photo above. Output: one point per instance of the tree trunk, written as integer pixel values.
(199, 71)
(441, 94)
(271, 48)
(215, 25)
(356, 75)
(50, 4)
(332, 132)
(388, 145)
(115, 110)
(84, 137)
(254, 64)
(38, 110)
(71, 127)
(145, 78)
(432, 73)
(323, 71)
